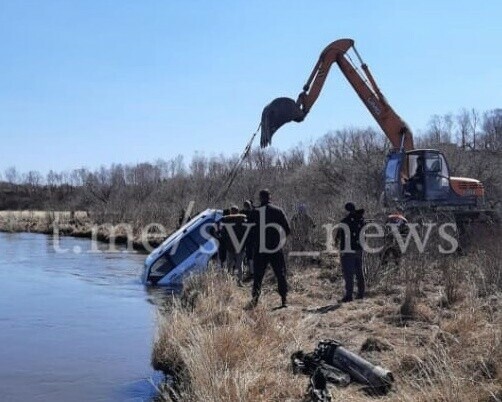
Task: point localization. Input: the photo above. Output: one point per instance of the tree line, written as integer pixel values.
(341, 165)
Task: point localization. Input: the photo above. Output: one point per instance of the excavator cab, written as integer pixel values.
(415, 176)
(421, 176)
(428, 176)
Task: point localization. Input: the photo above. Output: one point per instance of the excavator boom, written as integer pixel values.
(283, 110)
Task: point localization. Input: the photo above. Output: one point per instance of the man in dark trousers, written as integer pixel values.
(250, 248)
(351, 253)
(269, 233)
(234, 244)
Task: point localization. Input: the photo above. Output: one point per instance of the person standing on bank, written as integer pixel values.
(233, 238)
(248, 211)
(351, 252)
(270, 230)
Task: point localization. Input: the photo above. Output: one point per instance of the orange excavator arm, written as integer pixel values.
(283, 110)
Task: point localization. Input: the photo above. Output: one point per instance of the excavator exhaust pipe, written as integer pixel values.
(277, 113)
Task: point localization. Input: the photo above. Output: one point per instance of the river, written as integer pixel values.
(75, 325)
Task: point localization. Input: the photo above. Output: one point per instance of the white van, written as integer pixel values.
(186, 251)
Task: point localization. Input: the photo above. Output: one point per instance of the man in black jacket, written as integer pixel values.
(351, 253)
(269, 237)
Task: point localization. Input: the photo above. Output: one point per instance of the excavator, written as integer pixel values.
(415, 180)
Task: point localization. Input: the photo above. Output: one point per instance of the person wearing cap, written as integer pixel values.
(233, 238)
(270, 229)
(351, 253)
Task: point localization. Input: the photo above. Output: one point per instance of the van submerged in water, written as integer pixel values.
(186, 251)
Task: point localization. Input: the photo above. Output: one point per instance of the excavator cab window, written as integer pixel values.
(393, 185)
(391, 170)
(428, 176)
(433, 164)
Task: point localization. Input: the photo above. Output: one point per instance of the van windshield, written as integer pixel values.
(191, 242)
(181, 250)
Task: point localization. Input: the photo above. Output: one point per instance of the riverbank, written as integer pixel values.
(77, 224)
(437, 325)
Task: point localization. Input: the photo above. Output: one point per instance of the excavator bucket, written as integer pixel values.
(277, 113)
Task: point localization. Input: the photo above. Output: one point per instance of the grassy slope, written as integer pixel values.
(438, 350)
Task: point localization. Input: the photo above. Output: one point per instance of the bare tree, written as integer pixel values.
(492, 127)
(463, 125)
(440, 129)
(474, 127)
(32, 180)
(11, 175)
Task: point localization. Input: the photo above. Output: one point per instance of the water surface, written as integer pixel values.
(74, 326)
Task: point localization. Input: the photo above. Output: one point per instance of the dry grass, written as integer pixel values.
(40, 221)
(223, 353)
(77, 224)
(41, 214)
(438, 352)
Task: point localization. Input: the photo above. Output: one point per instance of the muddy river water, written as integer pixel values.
(75, 325)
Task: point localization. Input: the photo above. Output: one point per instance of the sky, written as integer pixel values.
(95, 82)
